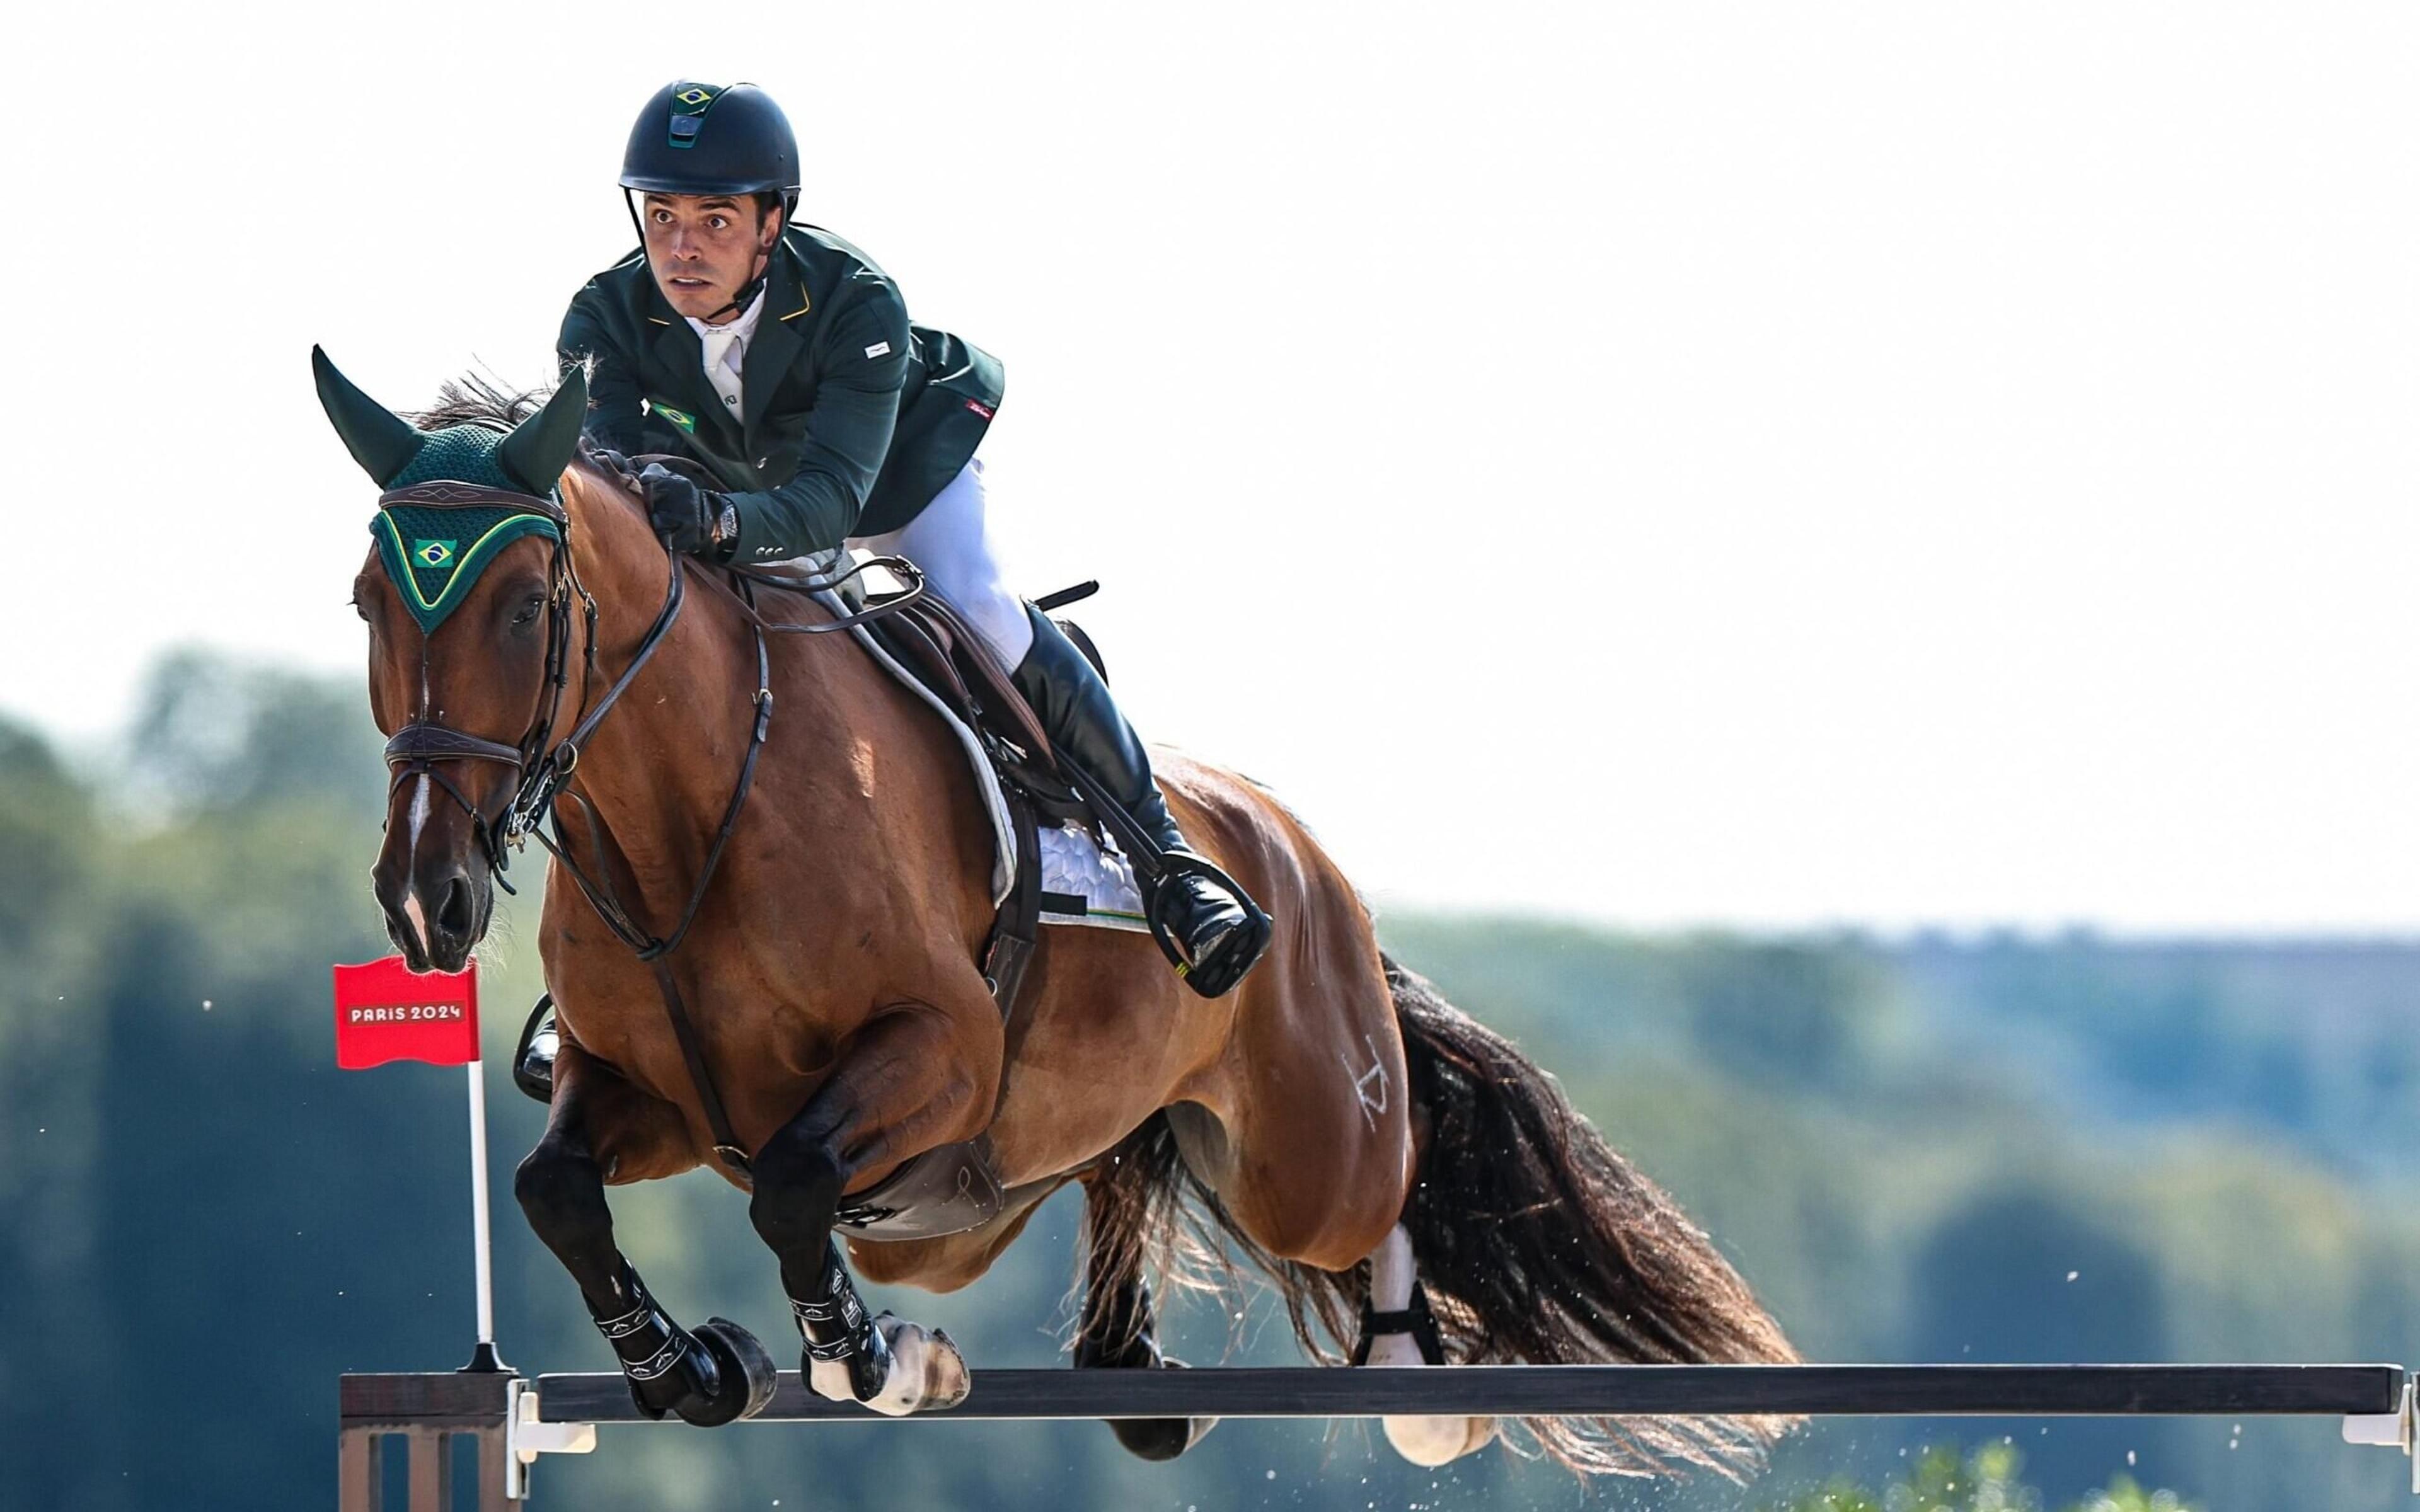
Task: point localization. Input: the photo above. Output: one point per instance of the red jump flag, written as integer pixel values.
(386, 1012)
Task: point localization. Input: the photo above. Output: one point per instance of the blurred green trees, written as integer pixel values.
(1943, 1480)
(1925, 1149)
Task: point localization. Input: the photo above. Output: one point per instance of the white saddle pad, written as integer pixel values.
(1099, 881)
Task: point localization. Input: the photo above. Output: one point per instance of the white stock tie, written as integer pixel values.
(725, 351)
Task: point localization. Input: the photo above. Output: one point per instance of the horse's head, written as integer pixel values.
(468, 593)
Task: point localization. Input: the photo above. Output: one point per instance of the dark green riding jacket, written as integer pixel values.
(850, 421)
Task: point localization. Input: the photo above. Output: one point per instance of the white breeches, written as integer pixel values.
(951, 541)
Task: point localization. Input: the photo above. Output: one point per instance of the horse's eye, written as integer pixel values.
(529, 608)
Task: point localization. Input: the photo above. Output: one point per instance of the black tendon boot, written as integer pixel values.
(669, 1371)
(1219, 934)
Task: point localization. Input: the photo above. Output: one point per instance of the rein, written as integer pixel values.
(546, 769)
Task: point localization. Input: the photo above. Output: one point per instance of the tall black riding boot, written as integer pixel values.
(1219, 934)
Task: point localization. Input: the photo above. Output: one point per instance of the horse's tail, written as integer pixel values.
(1538, 1243)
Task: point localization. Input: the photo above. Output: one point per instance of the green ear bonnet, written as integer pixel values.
(436, 552)
(442, 520)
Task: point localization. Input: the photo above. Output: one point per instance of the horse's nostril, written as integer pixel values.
(455, 917)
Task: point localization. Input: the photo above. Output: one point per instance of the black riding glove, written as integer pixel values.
(689, 518)
(612, 461)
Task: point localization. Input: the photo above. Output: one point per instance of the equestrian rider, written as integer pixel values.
(780, 359)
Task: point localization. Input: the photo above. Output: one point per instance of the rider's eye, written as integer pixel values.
(717, 221)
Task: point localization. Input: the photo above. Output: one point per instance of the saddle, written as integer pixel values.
(927, 638)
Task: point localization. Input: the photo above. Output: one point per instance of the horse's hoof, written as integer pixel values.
(927, 1372)
(743, 1371)
(1431, 1441)
(1159, 1439)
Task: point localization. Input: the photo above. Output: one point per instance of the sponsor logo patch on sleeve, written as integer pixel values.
(881, 349)
(980, 408)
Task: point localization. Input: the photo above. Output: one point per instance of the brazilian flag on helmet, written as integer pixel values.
(696, 138)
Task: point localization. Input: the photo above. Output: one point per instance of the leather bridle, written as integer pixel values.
(418, 748)
(544, 767)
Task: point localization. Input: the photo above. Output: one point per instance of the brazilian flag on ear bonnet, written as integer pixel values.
(713, 139)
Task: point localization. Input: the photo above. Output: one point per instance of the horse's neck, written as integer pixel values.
(663, 754)
(619, 564)
(664, 760)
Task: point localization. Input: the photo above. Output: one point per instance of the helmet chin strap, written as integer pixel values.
(746, 297)
(748, 291)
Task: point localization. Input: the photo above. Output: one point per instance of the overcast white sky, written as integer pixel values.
(1779, 464)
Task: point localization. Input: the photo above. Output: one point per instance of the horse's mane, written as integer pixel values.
(473, 400)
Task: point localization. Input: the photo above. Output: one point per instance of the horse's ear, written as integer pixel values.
(540, 448)
(380, 441)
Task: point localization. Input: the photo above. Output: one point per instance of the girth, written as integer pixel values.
(943, 1191)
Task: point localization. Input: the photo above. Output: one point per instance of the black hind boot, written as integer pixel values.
(1117, 1334)
(1218, 933)
(717, 1375)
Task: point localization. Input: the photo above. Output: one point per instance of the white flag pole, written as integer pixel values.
(483, 1358)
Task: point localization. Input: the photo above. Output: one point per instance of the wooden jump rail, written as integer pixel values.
(510, 1420)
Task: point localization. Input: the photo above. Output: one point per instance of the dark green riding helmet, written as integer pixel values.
(713, 139)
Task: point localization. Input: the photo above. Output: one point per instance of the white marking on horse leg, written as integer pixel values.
(1431, 1441)
(829, 1380)
(927, 1370)
(1391, 1272)
(1423, 1440)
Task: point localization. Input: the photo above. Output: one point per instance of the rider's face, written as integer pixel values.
(704, 247)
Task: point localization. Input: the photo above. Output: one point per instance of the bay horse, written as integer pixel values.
(1416, 1190)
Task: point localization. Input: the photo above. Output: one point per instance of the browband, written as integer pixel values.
(445, 494)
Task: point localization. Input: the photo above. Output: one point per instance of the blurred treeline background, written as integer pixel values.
(1927, 1148)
